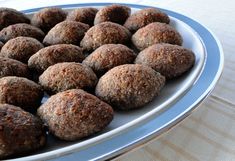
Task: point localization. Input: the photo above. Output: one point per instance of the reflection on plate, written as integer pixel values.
(174, 103)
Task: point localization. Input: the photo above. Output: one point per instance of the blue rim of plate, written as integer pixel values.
(168, 118)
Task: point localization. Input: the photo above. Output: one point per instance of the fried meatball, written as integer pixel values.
(21, 29)
(113, 13)
(155, 33)
(144, 17)
(108, 56)
(1, 45)
(84, 15)
(54, 54)
(66, 32)
(21, 48)
(11, 67)
(47, 18)
(105, 33)
(74, 114)
(169, 60)
(20, 92)
(69, 75)
(129, 86)
(20, 131)
(9, 16)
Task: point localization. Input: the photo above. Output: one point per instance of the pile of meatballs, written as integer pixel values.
(89, 62)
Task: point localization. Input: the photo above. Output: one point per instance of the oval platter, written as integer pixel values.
(176, 102)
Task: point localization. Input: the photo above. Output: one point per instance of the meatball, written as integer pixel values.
(21, 48)
(75, 114)
(113, 13)
(144, 17)
(169, 60)
(20, 131)
(156, 33)
(47, 18)
(108, 56)
(66, 32)
(105, 33)
(84, 15)
(20, 92)
(9, 16)
(11, 67)
(129, 86)
(21, 29)
(69, 75)
(51, 55)
(1, 45)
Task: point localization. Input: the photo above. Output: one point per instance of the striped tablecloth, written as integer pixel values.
(209, 133)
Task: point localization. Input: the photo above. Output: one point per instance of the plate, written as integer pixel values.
(176, 101)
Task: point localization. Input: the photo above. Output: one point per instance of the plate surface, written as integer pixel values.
(176, 101)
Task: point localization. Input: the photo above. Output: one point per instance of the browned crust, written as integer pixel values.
(21, 48)
(144, 17)
(47, 18)
(11, 67)
(105, 33)
(51, 55)
(74, 114)
(170, 60)
(9, 16)
(66, 32)
(156, 33)
(20, 92)
(68, 75)
(108, 56)
(1, 45)
(113, 13)
(20, 131)
(129, 86)
(84, 15)
(21, 29)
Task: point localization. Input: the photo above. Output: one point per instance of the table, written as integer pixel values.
(209, 133)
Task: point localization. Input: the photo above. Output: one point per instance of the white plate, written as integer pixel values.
(174, 103)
